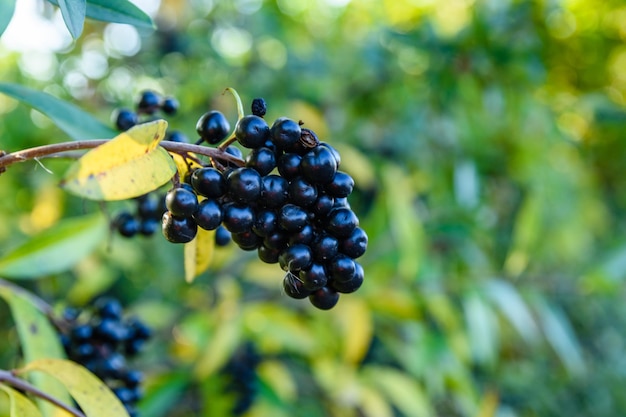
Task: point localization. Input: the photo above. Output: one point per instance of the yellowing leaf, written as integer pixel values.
(55, 249)
(129, 165)
(91, 394)
(37, 339)
(20, 405)
(199, 253)
(357, 329)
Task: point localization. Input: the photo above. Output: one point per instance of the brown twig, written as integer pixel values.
(182, 149)
(9, 378)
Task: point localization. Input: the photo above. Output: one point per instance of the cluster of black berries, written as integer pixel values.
(145, 220)
(103, 342)
(241, 377)
(149, 103)
(288, 202)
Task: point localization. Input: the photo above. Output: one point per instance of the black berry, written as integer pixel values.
(213, 127)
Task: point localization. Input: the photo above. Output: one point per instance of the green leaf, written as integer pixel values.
(129, 165)
(38, 339)
(73, 12)
(77, 123)
(117, 11)
(55, 249)
(7, 7)
(164, 394)
(91, 394)
(20, 405)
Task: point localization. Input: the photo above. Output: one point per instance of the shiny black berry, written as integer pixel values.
(222, 236)
(354, 245)
(266, 223)
(109, 308)
(262, 159)
(314, 277)
(181, 202)
(324, 298)
(268, 255)
(252, 131)
(325, 248)
(292, 218)
(178, 229)
(208, 215)
(301, 192)
(244, 185)
(208, 182)
(274, 191)
(352, 284)
(247, 240)
(342, 268)
(341, 186)
(341, 222)
(126, 224)
(289, 165)
(125, 119)
(170, 106)
(238, 218)
(213, 127)
(295, 257)
(319, 165)
(294, 288)
(285, 133)
(148, 102)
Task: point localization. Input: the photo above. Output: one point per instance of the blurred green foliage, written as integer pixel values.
(486, 140)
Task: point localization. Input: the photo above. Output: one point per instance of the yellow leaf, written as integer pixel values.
(184, 165)
(20, 405)
(199, 253)
(91, 394)
(129, 165)
(357, 329)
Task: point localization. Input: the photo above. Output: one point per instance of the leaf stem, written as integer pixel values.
(7, 159)
(9, 378)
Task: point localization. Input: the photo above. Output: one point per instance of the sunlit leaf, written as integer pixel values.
(20, 405)
(199, 253)
(91, 394)
(55, 249)
(129, 165)
(77, 123)
(117, 11)
(219, 349)
(7, 7)
(373, 404)
(357, 328)
(38, 340)
(73, 12)
(277, 376)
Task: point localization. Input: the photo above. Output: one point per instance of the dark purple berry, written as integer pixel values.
(177, 136)
(294, 288)
(258, 107)
(334, 151)
(341, 222)
(208, 182)
(222, 236)
(325, 248)
(170, 106)
(352, 284)
(268, 255)
(325, 298)
(247, 240)
(295, 258)
(285, 133)
(125, 119)
(354, 245)
(148, 102)
(304, 236)
(274, 191)
(342, 268)
(314, 277)
(109, 308)
(244, 185)
(209, 214)
(252, 131)
(323, 205)
(237, 218)
(213, 127)
(301, 192)
(292, 218)
(341, 186)
(126, 224)
(266, 223)
(181, 202)
(276, 240)
(178, 229)
(319, 165)
(148, 227)
(262, 159)
(289, 165)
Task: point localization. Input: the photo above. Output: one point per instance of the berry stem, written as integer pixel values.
(235, 94)
(9, 378)
(7, 159)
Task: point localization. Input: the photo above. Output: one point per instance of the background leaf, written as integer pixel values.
(38, 340)
(21, 406)
(199, 253)
(55, 249)
(129, 165)
(91, 394)
(117, 11)
(7, 7)
(73, 12)
(77, 123)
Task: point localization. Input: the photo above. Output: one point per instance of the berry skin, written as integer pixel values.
(181, 202)
(341, 186)
(304, 236)
(285, 133)
(295, 257)
(314, 277)
(262, 159)
(109, 308)
(208, 182)
(268, 255)
(292, 218)
(126, 224)
(276, 240)
(149, 102)
(354, 245)
(252, 131)
(323, 205)
(319, 165)
(289, 165)
(209, 214)
(178, 229)
(125, 119)
(247, 240)
(325, 248)
(294, 288)
(213, 127)
(265, 223)
(148, 207)
(352, 284)
(325, 298)
(342, 268)
(274, 191)
(258, 107)
(301, 192)
(341, 222)
(333, 151)
(170, 106)
(244, 185)
(222, 236)
(238, 218)
(148, 227)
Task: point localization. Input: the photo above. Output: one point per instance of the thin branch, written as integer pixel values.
(182, 149)
(9, 378)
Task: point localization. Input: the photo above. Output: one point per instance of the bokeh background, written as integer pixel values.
(486, 138)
